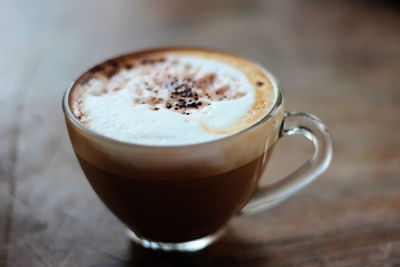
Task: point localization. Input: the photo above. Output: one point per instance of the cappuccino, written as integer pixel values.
(173, 97)
(163, 177)
(175, 140)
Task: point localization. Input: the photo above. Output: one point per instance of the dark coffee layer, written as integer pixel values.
(175, 210)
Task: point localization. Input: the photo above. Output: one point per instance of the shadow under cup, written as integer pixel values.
(175, 194)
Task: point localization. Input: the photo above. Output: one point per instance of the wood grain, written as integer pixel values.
(337, 59)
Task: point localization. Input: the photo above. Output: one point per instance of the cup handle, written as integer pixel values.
(313, 129)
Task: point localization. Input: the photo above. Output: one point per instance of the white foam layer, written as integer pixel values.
(132, 105)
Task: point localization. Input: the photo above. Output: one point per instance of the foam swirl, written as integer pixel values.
(172, 98)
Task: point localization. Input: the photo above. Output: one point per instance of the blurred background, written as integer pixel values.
(337, 59)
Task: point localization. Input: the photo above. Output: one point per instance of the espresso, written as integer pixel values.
(170, 139)
(176, 209)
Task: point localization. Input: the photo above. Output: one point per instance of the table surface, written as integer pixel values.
(337, 59)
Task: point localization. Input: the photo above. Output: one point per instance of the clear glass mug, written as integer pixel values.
(180, 198)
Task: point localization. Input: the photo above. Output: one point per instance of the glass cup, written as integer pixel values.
(180, 198)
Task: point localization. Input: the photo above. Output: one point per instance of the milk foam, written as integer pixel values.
(173, 100)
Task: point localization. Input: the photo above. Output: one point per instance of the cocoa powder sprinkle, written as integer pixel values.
(184, 93)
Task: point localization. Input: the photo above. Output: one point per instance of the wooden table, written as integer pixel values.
(337, 59)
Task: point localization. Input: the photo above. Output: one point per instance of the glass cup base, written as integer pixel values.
(188, 246)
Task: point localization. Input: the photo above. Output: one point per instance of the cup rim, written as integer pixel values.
(72, 118)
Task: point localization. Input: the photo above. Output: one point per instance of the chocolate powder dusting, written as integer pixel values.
(80, 114)
(222, 90)
(185, 91)
(110, 68)
(206, 81)
(260, 83)
(96, 69)
(151, 60)
(110, 72)
(102, 91)
(128, 66)
(84, 80)
(113, 63)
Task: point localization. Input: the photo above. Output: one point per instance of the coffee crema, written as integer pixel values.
(172, 97)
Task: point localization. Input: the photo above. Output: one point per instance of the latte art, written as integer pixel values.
(172, 97)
